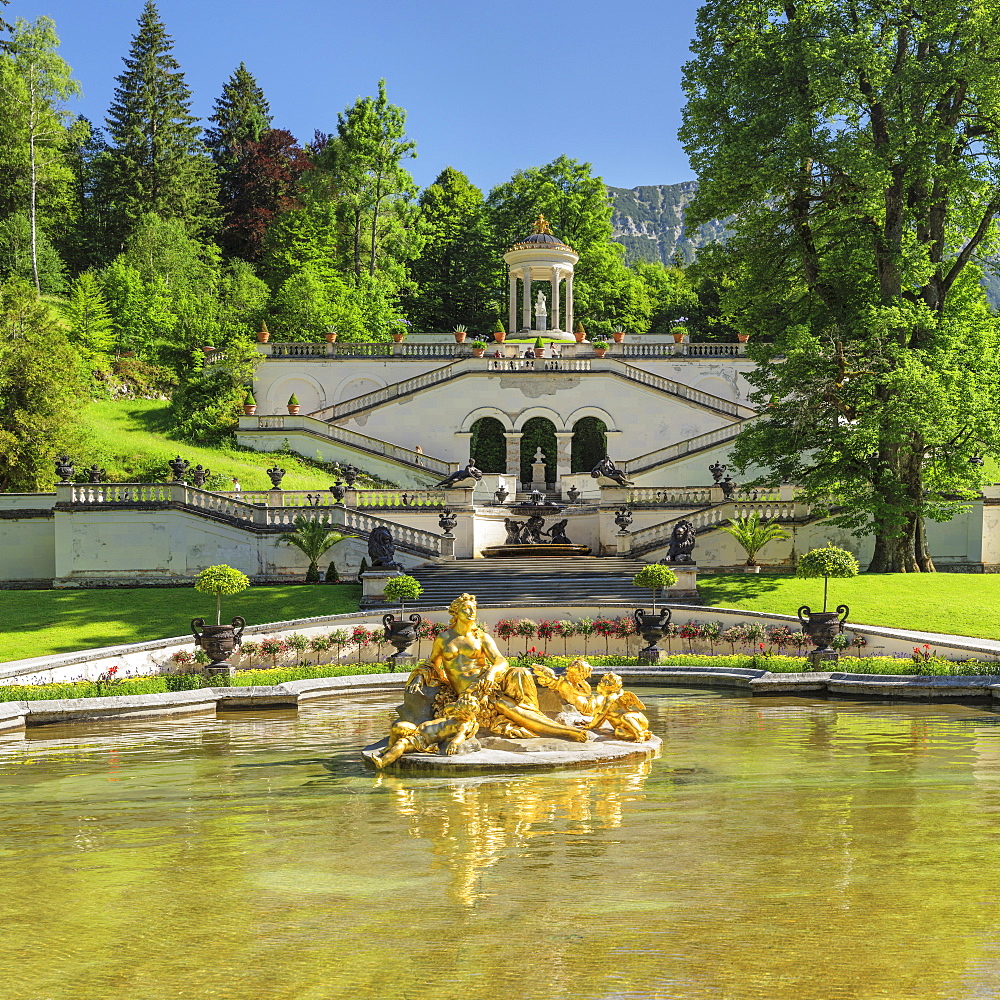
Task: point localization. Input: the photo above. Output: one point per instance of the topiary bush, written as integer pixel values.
(219, 580)
(654, 577)
(402, 588)
(828, 561)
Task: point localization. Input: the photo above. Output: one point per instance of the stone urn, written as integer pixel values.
(823, 627)
(339, 491)
(651, 628)
(219, 641)
(275, 474)
(447, 522)
(401, 634)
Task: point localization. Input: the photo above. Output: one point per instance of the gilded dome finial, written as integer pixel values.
(541, 226)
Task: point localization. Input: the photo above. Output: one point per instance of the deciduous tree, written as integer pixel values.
(857, 149)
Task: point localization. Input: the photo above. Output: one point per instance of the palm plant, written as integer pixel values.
(313, 539)
(753, 533)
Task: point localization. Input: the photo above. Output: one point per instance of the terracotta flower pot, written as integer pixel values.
(208, 349)
(331, 338)
(499, 336)
(477, 352)
(263, 335)
(294, 408)
(742, 338)
(619, 336)
(398, 337)
(460, 336)
(678, 338)
(249, 409)
(539, 351)
(599, 352)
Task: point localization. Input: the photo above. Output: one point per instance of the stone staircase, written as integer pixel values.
(574, 580)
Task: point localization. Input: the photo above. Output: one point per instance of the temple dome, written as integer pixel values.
(541, 236)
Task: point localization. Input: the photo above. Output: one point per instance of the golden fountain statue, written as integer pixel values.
(467, 687)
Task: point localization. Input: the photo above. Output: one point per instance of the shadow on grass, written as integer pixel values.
(155, 420)
(726, 589)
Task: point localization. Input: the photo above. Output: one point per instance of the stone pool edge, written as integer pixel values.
(19, 715)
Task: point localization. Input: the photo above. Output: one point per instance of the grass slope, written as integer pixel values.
(41, 622)
(955, 603)
(131, 439)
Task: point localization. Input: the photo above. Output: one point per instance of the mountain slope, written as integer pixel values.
(649, 222)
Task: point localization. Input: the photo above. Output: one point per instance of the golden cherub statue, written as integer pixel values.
(622, 709)
(571, 686)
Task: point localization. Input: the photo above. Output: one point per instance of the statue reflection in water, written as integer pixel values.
(473, 824)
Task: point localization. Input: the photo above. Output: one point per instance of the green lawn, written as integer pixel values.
(40, 622)
(958, 603)
(131, 439)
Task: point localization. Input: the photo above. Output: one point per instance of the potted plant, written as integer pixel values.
(580, 333)
(249, 404)
(331, 334)
(600, 348)
(539, 347)
(398, 336)
(402, 634)
(656, 577)
(499, 333)
(823, 626)
(219, 641)
(460, 331)
(478, 348)
(263, 334)
(753, 533)
(293, 404)
(618, 335)
(678, 333)
(742, 338)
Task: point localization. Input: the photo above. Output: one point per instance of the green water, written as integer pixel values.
(779, 849)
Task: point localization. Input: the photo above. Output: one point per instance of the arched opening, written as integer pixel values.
(538, 432)
(488, 446)
(589, 445)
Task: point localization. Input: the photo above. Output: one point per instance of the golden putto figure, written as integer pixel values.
(467, 685)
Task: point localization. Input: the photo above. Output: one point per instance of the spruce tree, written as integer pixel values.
(158, 163)
(242, 115)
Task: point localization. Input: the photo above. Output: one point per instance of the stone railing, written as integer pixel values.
(389, 393)
(545, 365)
(637, 347)
(670, 452)
(408, 539)
(666, 495)
(311, 424)
(352, 498)
(658, 535)
(685, 392)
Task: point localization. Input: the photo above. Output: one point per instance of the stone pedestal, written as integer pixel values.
(685, 590)
(373, 583)
(538, 476)
(624, 543)
(823, 659)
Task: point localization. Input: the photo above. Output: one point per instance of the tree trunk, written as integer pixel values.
(894, 550)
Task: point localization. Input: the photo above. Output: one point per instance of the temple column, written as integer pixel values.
(555, 298)
(513, 439)
(564, 449)
(569, 302)
(512, 324)
(526, 300)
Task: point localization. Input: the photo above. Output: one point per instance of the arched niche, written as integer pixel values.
(538, 432)
(488, 445)
(304, 387)
(589, 443)
(358, 385)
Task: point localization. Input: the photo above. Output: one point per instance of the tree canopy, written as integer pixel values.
(856, 148)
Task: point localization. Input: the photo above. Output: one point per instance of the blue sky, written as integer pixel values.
(488, 88)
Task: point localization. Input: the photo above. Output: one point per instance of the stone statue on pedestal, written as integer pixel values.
(541, 312)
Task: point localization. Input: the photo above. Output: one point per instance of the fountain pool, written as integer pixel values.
(779, 848)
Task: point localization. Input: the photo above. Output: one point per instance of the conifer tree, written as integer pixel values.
(241, 115)
(158, 163)
(90, 323)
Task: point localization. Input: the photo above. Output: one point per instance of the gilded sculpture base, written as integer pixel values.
(500, 754)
